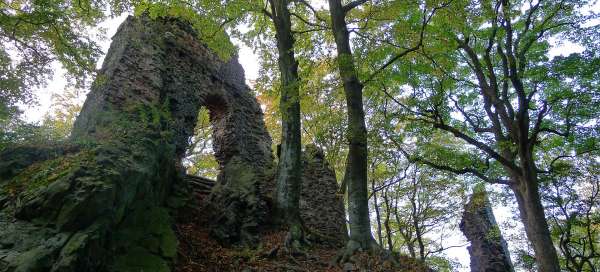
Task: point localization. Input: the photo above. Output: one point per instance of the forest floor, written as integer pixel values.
(199, 252)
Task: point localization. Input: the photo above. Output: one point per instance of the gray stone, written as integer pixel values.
(104, 200)
(103, 205)
(321, 207)
(348, 267)
(488, 249)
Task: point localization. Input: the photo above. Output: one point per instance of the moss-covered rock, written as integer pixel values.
(103, 202)
(488, 250)
(236, 205)
(139, 259)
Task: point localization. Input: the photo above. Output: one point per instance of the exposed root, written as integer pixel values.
(295, 241)
(348, 257)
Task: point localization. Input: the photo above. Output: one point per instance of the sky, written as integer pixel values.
(250, 62)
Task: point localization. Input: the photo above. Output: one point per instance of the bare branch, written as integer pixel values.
(538, 122)
(314, 11)
(467, 117)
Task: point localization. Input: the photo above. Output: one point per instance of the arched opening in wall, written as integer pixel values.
(199, 159)
(205, 153)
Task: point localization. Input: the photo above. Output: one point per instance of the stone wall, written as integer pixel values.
(104, 200)
(321, 207)
(169, 68)
(488, 249)
(105, 205)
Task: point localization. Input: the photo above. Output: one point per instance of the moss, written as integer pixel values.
(43, 174)
(240, 175)
(478, 200)
(100, 81)
(494, 235)
(139, 259)
(168, 244)
(150, 243)
(151, 116)
(248, 254)
(33, 259)
(76, 243)
(148, 227)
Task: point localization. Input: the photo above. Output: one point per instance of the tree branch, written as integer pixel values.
(353, 5)
(466, 170)
(478, 144)
(467, 117)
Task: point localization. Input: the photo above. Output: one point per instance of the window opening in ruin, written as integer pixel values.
(199, 157)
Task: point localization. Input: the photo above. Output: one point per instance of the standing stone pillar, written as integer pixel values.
(321, 207)
(488, 249)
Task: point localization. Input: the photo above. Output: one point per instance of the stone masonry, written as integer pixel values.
(321, 207)
(488, 249)
(104, 201)
(106, 205)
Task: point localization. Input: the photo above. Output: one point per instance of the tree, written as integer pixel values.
(35, 34)
(356, 162)
(573, 197)
(63, 112)
(289, 174)
(419, 207)
(494, 88)
(199, 159)
(54, 128)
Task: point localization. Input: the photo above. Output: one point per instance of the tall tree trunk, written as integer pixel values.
(406, 233)
(388, 229)
(534, 220)
(377, 212)
(525, 186)
(289, 176)
(415, 218)
(356, 164)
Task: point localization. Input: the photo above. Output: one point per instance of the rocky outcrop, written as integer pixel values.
(321, 207)
(106, 205)
(488, 249)
(15, 159)
(105, 201)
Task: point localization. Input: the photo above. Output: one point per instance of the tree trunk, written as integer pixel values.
(388, 229)
(377, 212)
(289, 176)
(415, 220)
(534, 220)
(406, 233)
(356, 164)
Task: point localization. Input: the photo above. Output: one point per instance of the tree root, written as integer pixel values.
(347, 255)
(295, 241)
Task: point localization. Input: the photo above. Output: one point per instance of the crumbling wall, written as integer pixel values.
(104, 201)
(104, 206)
(488, 249)
(321, 207)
